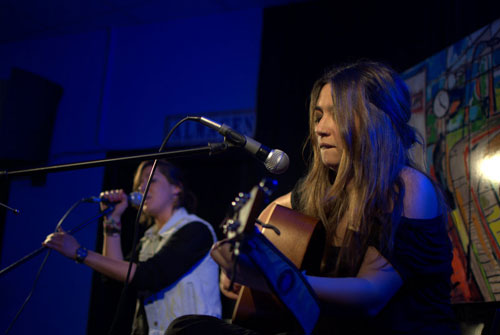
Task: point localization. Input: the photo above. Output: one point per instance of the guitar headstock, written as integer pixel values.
(246, 208)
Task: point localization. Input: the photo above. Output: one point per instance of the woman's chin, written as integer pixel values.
(331, 164)
(147, 210)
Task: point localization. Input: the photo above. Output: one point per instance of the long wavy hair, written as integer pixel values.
(371, 106)
(175, 177)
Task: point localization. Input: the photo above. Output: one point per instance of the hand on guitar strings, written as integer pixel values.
(245, 273)
(226, 289)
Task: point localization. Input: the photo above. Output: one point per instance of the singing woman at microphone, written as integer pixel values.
(174, 274)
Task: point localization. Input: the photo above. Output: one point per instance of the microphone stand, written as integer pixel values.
(39, 250)
(211, 148)
(15, 211)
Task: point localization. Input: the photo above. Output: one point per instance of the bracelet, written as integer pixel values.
(110, 231)
(112, 227)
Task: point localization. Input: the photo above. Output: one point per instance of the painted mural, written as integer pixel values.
(456, 105)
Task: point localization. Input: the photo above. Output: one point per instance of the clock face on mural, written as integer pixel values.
(441, 103)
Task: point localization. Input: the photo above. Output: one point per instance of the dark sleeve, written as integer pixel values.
(185, 248)
(422, 249)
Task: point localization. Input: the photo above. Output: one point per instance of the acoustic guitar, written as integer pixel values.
(288, 243)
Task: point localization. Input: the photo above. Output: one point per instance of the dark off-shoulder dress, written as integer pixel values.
(422, 256)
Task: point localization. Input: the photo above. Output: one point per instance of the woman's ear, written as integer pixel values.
(177, 189)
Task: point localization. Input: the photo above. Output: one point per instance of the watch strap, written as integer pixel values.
(81, 254)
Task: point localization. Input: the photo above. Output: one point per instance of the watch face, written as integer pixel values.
(441, 103)
(81, 253)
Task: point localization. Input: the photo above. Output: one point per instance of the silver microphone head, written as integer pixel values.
(135, 199)
(277, 161)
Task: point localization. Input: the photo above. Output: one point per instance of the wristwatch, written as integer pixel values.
(81, 253)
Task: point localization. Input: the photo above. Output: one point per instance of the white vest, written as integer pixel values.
(197, 292)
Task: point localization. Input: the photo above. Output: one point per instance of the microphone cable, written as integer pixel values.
(42, 265)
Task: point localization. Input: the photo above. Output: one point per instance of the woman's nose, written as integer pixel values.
(142, 187)
(321, 128)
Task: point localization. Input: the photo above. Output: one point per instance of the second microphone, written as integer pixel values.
(134, 199)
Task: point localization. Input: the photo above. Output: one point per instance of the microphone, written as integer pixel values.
(134, 199)
(275, 160)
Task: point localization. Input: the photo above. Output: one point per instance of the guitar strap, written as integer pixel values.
(284, 279)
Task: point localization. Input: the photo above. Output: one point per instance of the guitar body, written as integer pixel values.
(301, 240)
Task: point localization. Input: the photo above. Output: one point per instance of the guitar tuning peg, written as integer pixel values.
(268, 185)
(237, 204)
(230, 226)
(240, 201)
(244, 196)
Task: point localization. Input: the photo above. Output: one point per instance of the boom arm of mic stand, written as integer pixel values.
(211, 148)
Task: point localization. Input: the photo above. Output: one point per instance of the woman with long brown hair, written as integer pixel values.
(386, 264)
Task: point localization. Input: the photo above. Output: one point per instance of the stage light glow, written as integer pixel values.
(490, 168)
